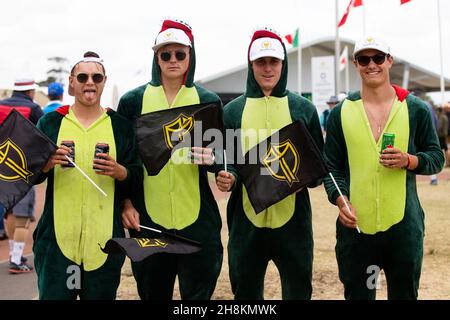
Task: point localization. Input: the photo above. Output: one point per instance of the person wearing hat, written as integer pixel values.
(332, 102)
(379, 186)
(283, 232)
(179, 198)
(18, 218)
(77, 219)
(3, 235)
(55, 94)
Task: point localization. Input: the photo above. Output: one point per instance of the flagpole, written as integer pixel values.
(299, 63)
(337, 52)
(347, 76)
(440, 52)
(86, 176)
(340, 193)
(364, 20)
(173, 236)
(225, 160)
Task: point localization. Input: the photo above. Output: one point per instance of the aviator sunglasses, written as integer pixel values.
(166, 55)
(378, 59)
(96, 77)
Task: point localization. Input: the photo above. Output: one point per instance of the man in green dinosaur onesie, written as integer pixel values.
(283, 232)
(77, 218)
(379, 186)
(178, 199)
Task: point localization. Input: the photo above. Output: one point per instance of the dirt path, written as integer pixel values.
(326, 285)
(435, 201)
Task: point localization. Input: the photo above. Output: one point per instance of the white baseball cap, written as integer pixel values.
(24, 85)
(266, 47)
(371, 43)
(171, 35)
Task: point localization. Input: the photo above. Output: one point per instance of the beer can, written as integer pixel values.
(387, 141)
(71, 155)
(100, 148)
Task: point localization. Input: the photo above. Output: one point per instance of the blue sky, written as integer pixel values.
(123, 32)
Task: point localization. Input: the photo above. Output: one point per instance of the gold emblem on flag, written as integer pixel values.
(13, 163)
(287, 171)
(149, 242)
(178, 128)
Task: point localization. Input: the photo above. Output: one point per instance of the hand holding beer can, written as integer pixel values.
(387, 141)
(71, 155)
(100, 148)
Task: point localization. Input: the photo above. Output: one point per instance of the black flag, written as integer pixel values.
(283, 166)
(138, 249)
(24, 151)
(159, 133)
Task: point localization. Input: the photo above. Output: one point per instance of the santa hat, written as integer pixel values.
(174, 31)
(265, 43)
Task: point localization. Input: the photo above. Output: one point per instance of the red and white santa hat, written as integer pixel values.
(265, 43)
(174, 31)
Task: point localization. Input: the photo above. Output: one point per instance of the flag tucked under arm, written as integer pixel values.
(24, 151)
(160, 133)
(137, 249)
(286, 162)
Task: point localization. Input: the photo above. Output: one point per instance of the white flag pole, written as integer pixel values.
(347, 76)
(299, 63)
(151, 229)
(340, 193)
(225, 160)
(337, 52)
(364, 19)
(86, 176)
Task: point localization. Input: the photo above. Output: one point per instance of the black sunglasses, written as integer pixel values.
(84, 77)
(166, 55)
(378, 59)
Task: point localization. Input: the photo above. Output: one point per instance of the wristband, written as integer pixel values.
(409, 162)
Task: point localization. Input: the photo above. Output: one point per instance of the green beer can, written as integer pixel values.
(387, 141)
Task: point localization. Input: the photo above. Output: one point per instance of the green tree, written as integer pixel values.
(58, 71)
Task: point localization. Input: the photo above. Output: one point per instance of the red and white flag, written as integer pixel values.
(352, 4)
(343, 60)
(404, 1)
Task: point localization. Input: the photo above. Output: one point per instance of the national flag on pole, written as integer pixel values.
(137, 249)
(292, 39)
(404, 1)
(285, 162)
(352, 4)
(159, 133)
(24, 151)
(343, 59)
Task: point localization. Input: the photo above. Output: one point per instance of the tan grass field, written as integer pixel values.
(435, 282)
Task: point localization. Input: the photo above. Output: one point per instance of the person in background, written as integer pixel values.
(332, 102)
(3, 235)
(18, 218)
(433, 177)
(446, 110)
(442, 129)
(55, 94)
(379, 184)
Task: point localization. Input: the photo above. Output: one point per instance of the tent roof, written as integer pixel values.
(420, 79)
